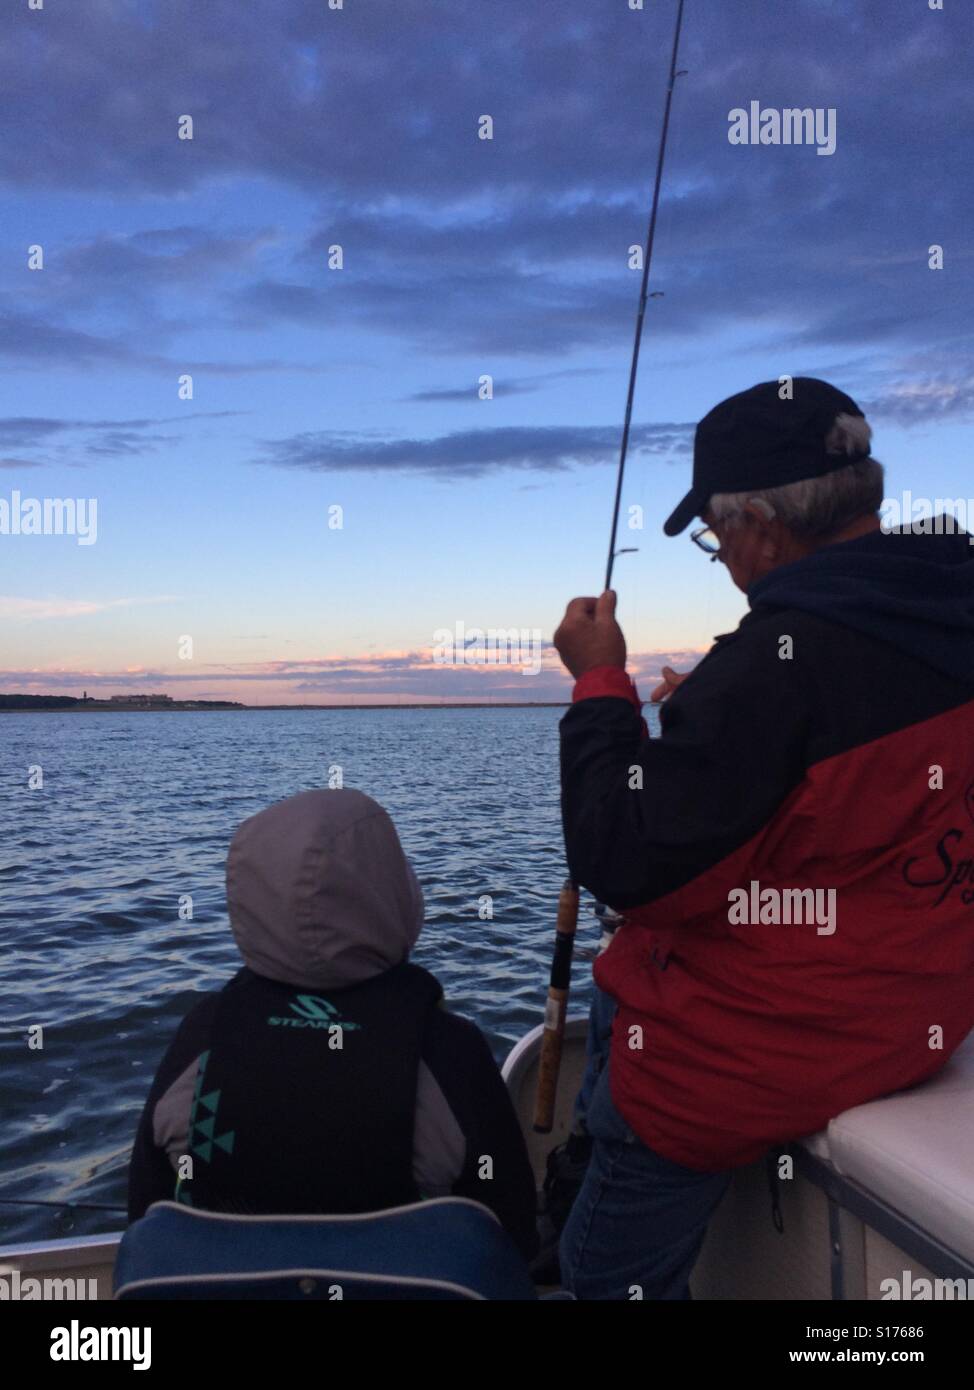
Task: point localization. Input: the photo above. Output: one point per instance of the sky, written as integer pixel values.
(353, 393)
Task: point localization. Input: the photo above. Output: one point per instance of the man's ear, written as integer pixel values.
(758, 507)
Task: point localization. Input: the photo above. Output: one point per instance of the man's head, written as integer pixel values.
(778, 473)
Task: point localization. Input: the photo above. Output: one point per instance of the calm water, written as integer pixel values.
(138, 808)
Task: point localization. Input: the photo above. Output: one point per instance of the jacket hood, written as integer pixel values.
(320, 892)
(910, 589)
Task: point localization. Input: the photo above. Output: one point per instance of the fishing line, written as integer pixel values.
(58, 1206)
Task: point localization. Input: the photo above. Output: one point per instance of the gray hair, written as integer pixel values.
(818, 507)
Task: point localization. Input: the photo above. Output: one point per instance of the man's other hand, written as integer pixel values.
(590, 636)
(672, 680)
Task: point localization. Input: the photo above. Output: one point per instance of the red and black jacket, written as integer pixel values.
(841, 759)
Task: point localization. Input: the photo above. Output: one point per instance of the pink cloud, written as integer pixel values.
(375, 677)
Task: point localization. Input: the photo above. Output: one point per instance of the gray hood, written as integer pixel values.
(319, 891)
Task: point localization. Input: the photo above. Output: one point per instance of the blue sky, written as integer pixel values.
(358, 387)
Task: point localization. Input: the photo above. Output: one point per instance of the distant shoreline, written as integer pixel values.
(93, 707)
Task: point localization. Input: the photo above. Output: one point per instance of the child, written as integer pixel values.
(327, 1076)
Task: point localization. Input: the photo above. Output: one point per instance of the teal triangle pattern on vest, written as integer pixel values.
(225, 1141)
(202, 1132)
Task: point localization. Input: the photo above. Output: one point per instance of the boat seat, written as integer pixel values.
(447, 1249)
(914, 1151)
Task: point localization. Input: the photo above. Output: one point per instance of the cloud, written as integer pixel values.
(31, 343)
(127, 74)
(506, 386)
(97, 438)
(158, 276)
(18, 609)
(25, 338)
(362, 678)
(924, 399)
(474, 453)
(158, 257)
(517, 244)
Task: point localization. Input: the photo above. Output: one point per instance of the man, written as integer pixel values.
(793, 857)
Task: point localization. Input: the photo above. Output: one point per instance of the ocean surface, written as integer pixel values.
(138, 808)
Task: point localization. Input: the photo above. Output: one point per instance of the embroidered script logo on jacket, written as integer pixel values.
(313, 1012)
(949, 872)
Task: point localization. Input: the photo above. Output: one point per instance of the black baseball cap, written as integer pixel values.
(757, 440)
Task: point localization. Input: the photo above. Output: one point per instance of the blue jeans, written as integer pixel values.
(638, 1223)
(597, 1045)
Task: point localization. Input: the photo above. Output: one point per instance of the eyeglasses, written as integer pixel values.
(708, 541)
(707, 538)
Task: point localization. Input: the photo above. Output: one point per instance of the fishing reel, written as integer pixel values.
(610, 921)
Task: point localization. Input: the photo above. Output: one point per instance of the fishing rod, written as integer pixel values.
(556, 1008)
(643, 293)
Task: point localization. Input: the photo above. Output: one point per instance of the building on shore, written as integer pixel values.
(141, 699)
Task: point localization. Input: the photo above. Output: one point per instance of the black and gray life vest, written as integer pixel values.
(305, 1101)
